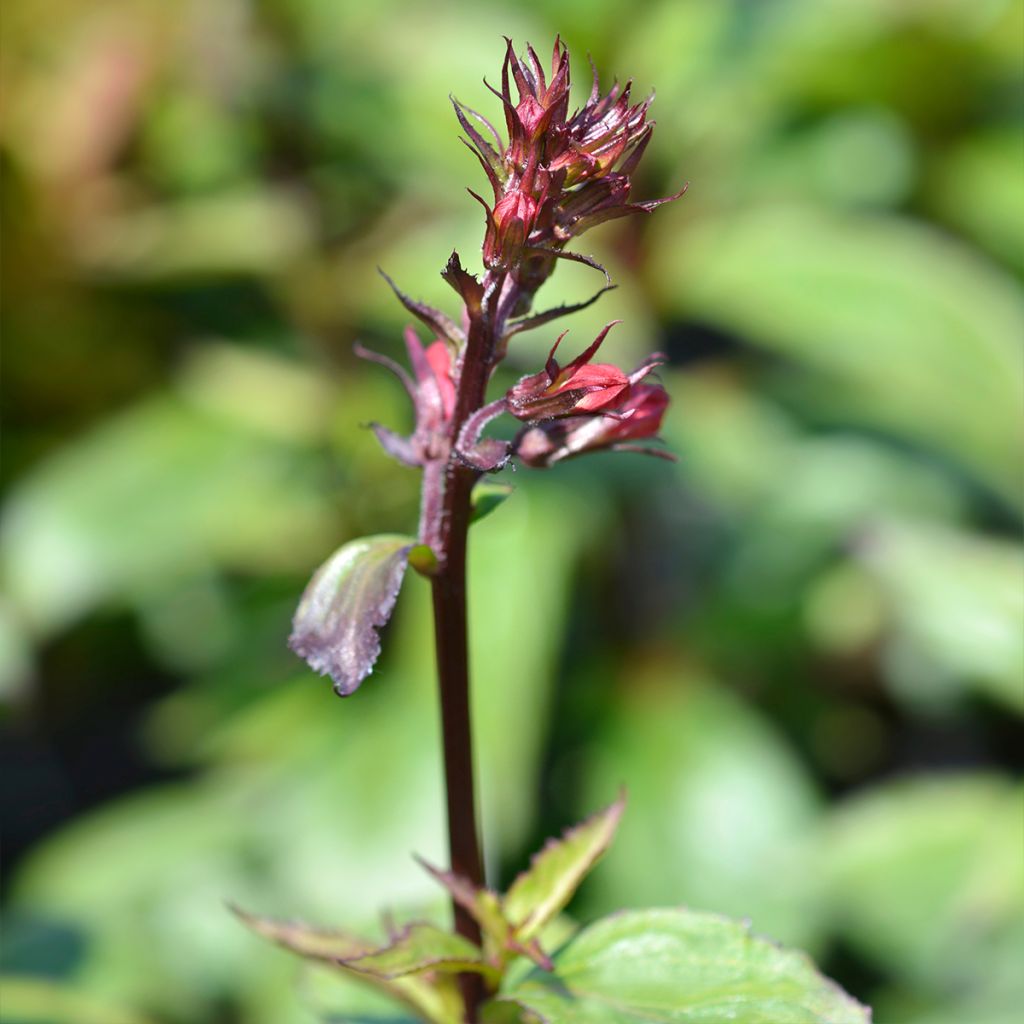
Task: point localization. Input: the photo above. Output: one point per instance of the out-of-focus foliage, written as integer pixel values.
(800, 647)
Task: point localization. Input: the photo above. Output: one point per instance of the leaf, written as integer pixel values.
(555, 873)
(33, 1000)
(421, 947)
(679, 967)
(932, 577)
(484, 905)
(893, 325)
(436, 1000)
(486, 497)
(348, 599)
(925, 878)
(303, 939)
(721, 812)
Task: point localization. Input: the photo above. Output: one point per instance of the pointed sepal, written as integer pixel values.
(441, 325)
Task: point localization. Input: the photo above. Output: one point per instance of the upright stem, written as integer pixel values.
(449, 594)
(446, 528)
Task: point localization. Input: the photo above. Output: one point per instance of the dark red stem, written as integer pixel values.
(446, 529)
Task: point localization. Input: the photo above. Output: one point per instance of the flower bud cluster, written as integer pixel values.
(558, 174)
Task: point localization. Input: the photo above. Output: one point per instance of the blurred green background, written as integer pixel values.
(800, 647)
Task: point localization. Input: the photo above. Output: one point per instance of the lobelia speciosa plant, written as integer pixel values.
(555, 175)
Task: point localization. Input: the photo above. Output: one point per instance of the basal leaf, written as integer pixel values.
(555, 873)
(348, 599)
(421, 947)
(678, 967)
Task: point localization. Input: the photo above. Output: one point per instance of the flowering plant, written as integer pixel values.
(554, 176)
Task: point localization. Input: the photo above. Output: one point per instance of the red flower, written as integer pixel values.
(638, 418)
(580, 387)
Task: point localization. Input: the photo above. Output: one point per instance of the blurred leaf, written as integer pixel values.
(348, 599)
(326, 944)
(978, 187)
(516, 630)
(958, 600)
(899, 327)
(487, 496)
(247, 231)
(547, 886)
(383, 969)
(680, 966)
(421, 947)
(158, 494)
(721, 812)
(926, 878)
(33, 1001)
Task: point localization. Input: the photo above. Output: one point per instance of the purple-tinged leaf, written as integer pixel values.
(422, 947)
(483, 905)
(435, 999)
(348, 599)
(305, 940)
(555, 873)
(441, 325)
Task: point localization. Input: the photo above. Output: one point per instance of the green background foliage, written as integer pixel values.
(799, 648)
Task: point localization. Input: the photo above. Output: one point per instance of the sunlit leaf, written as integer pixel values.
(555, 873)
(348, 599)
(680, 967)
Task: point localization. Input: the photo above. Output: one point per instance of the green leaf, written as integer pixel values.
(555, 873)
(925, 878)
(484, 905)
(892, 324)
(721, 812)
(679, 967)
(348, 599)
(487, 496)
(421, 947)
(436, 1000)
(933, 577)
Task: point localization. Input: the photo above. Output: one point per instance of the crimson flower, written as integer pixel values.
(580, 387)
(638, 418)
